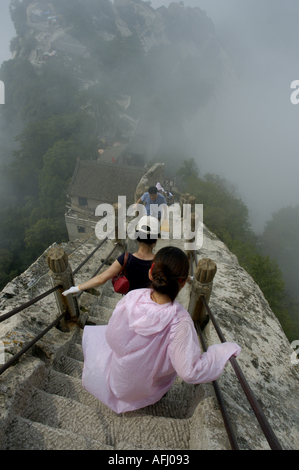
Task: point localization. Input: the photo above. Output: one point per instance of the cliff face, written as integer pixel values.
(175, 37)
(244, 317)
(168, 59)
(187, 28)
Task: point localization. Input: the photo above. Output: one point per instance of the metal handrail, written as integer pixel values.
(266, 428)
(99, 269)
(225, 417)
(28, 304)
(29, 345)
(226, 420)
(50, 291)
(90, 256)
(37, 299)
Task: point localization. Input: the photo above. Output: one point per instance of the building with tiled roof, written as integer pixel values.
(95, 183)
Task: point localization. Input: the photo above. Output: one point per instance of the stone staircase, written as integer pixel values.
(54, 412)
(43, 404)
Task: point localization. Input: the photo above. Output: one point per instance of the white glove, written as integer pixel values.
(72, 290)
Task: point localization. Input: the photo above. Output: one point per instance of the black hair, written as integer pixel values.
(147, 238)
(152, 190)
(147, 241)
(170, 270)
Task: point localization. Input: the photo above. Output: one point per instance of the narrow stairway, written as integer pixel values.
(59, 414)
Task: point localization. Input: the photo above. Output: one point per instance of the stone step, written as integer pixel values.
(109, 291)
(69, 366)
(140, 430)
(75, 351)
(24, 434)
(64, 413)
(70, 387)
(109, 302)
(179, 403)
(154, 432)
(99, 316)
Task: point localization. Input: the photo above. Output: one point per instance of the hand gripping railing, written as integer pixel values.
(266, 428)
(37, 299)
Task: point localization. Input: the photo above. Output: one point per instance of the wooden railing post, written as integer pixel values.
(201, 286)
(61, 274)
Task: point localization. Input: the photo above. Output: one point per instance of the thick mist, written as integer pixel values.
(7, 31)
(248, 133)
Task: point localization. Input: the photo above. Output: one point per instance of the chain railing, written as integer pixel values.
(56, 288)
(201, 322)
(263, 422)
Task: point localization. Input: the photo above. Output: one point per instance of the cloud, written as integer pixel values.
(248, 133)
(7, 31)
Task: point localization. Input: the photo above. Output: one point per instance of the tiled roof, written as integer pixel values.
(104, 182)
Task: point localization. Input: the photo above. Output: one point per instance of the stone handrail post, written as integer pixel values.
(61, 274)
(201, 286)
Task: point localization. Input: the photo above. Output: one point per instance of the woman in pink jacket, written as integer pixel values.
(150, 339)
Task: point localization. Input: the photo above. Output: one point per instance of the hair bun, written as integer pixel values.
(170, 268)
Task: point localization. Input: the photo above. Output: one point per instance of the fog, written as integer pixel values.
(249, 132)
(7, 31)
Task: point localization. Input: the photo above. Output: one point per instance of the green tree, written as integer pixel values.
(280, 240)
(227, 216)
(224, 212)
(188, 171)
(59, 164)
(6, 272)
(40, 236)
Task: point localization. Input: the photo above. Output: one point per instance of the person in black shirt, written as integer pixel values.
(138, 264)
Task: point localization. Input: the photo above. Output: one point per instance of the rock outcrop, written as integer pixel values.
(188, 30)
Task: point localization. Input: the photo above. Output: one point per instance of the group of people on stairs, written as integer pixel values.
(150, 339)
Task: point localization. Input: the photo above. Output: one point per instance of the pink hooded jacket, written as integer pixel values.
(134, 360)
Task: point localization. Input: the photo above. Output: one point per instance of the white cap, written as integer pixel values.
(149, 225)
(159, 187)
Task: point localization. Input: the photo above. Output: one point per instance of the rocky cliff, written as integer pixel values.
(189, 416)
(189, 29)
(168, 59)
